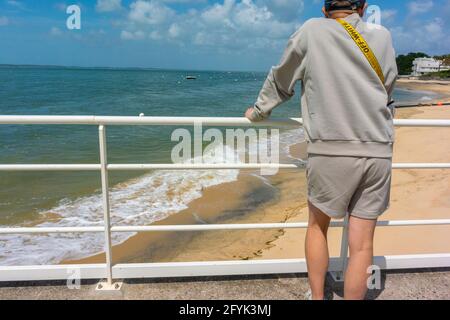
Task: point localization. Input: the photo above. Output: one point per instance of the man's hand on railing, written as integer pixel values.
(249, 113)
(253, 115)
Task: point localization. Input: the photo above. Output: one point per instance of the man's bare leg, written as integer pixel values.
(316, 249)
(360, 238)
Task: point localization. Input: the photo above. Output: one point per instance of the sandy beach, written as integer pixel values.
(417, 194)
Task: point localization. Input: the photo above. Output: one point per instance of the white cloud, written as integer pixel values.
(137, 35)
(15, 3)
(388, 14)
(108, 5)
(284, 10)
(155, 35)
(426, 36)
(228, 25)
(174, 31)
(149, 12)
(427, 33)
(420, 6)
(435, 29)
(218, 13)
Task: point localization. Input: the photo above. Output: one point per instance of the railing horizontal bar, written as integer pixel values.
(277, 266)
(185, 121)
(159, 228)
(52, 272)
(50, 167)
(206, 227)
(137, 167)
(122, 167)
(51, 230)
(261, 226)
(210, 268)
(408, 223)
(154, 121)
(421, 166)
(212, 227)
(421, 123)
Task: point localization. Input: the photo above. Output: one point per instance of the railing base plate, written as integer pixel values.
(105, 286)
(338, 276)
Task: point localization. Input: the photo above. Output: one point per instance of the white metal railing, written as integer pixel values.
(148, 270)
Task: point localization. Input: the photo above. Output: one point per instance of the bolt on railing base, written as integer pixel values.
(338, 276)
(106, 286)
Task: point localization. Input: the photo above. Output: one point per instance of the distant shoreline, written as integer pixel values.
(441, 87)
(38, 66)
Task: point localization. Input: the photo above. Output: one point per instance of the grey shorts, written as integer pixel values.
(339, 186)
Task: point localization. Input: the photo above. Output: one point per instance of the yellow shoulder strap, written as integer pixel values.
(364, 46)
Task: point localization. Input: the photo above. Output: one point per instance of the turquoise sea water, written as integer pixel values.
(73, 199)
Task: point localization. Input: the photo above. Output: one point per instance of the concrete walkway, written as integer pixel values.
(426, 284)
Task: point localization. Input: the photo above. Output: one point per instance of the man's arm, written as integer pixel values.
(392, 75)
(280, 83)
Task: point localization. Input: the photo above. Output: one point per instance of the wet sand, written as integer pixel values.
(248, 200)
(417, 194)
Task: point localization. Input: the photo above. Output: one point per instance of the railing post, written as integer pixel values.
(108, 285)
(340, 274)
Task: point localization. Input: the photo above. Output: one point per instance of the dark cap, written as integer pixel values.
(352, 5)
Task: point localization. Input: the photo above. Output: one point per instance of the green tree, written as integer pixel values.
(444, 58)
(405, 62)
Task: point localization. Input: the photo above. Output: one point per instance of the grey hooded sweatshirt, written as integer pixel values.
(344, 103)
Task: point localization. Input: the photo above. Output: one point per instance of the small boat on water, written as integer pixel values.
(191, 78)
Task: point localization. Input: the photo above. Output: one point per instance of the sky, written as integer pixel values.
(191, 34)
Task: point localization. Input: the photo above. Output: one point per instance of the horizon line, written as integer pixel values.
(122, 68)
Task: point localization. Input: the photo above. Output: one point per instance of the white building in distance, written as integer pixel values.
(423, 66)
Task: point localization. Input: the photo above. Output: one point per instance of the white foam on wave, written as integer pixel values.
(139, 201)
(426, 98)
